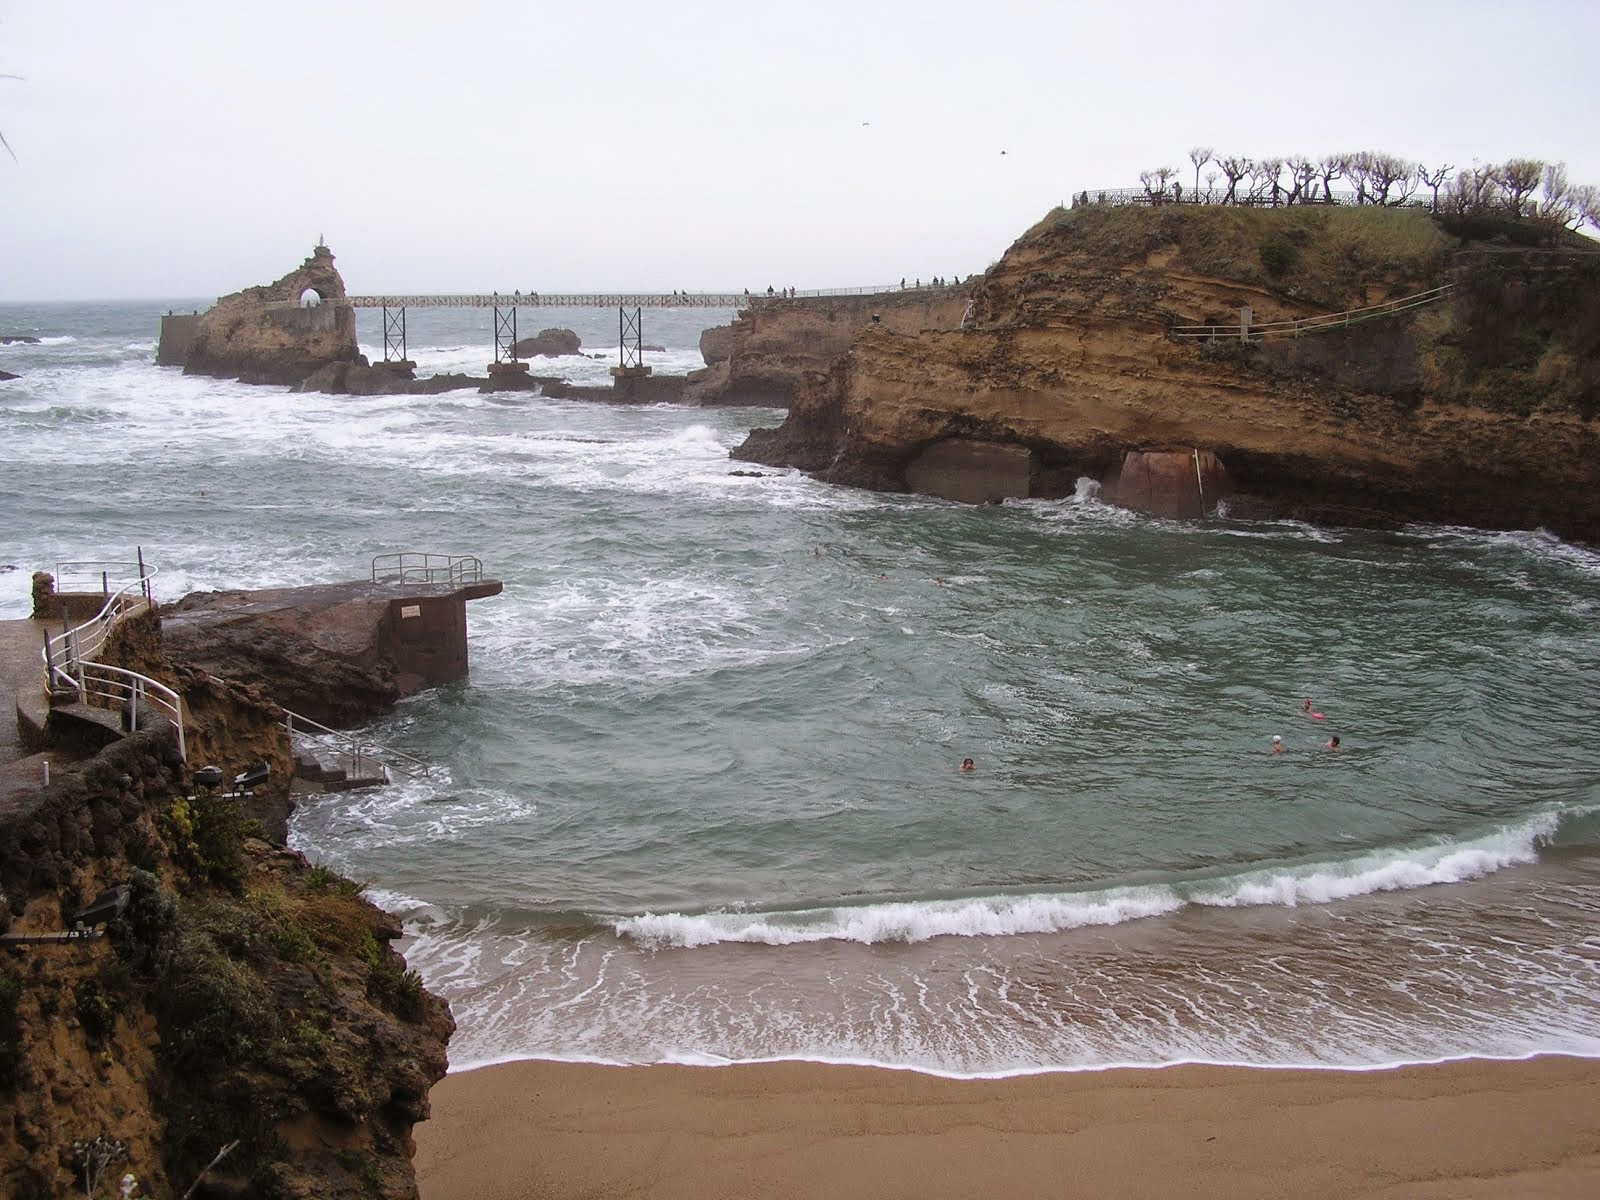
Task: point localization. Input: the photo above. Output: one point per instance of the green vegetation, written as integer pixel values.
(206, 834)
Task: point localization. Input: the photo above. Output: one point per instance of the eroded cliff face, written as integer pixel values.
(761, 358)
(1069, 359)
(241, 996)
(265, 335)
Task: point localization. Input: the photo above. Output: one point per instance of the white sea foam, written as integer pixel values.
(993, 916)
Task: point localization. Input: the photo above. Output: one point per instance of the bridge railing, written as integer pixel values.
(1294, 328)
(416, 566)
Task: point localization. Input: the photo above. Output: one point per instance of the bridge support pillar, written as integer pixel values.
(505, 341)
(394, 339)
(630, 342)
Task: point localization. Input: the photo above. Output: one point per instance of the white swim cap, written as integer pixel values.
(1276, 738)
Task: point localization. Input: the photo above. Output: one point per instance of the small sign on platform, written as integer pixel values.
(410, 610)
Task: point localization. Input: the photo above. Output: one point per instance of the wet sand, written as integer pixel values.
(790, 1130)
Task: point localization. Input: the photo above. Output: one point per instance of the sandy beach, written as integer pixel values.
(1463, 1129)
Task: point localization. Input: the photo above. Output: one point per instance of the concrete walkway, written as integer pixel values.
(21, 686)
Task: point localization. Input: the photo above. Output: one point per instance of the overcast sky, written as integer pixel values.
(189, 149)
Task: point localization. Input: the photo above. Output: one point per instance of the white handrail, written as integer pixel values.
(105, 682)
(353, 745)
(64, 652)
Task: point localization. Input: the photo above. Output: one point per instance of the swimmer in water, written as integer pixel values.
(967, 764)
(1332, 743)
(1306, 708)
(1277, 744)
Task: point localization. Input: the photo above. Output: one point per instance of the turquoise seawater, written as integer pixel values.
(700, 799)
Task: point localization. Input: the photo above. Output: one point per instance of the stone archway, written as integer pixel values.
(310, 298)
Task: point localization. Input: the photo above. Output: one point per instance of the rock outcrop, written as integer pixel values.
(240, 998)
(1168, 483)
(18, 339)
(1473, 410)
(548, 343)
(716, 344)
(341, 654)
(278, 333)
(5, 375)
(773, 343)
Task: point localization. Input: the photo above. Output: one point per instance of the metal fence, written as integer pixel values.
(1314, 196)
(1281, 329)
(416, 566)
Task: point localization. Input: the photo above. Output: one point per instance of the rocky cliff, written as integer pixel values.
(277, 333)
(761, 358)
(240, 998)
(1474, 410)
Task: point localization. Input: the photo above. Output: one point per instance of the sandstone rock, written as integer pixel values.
(266, 335)
(1168, 483)
(340, 654)
(1489, 422)
(716, 344)
(549, 343)
(973, 472)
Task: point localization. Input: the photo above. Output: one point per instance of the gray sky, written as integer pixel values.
(189, 149)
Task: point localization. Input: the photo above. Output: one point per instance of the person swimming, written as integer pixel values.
(968, 765)
(1306, 708)
(1277, 744)
(1332, 743)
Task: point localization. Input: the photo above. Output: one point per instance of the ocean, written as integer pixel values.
(700, 800)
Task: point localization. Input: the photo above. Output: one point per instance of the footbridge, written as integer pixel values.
(630, 308)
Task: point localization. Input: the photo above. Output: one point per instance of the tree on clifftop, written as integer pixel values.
(1200, 156)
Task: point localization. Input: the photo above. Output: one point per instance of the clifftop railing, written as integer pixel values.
(1253, 332)
(66, 651)
(1314, 196)
(70, 657)
(415, 566)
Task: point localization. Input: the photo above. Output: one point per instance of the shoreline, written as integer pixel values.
(1461, 1128)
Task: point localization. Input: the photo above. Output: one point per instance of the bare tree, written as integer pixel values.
(1235, 168)
(1586, 203)
(1200, 156)
(1155, 182)
(1472, 191)
(1211, 179)
(1264, 186)
(1358, 170)
(1330, 168)
(1432, 178)
(1302, 172)
(1555, 196)
(1384, 171)
(1518, 177)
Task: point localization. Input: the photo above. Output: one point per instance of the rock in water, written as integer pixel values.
(279, 333)
(1168, 483)
(551, 343)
